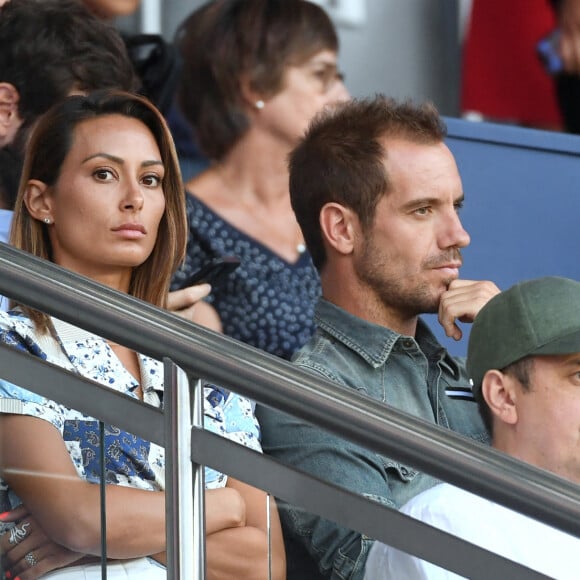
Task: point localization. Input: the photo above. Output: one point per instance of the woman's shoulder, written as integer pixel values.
(19, 331)
(16, 323)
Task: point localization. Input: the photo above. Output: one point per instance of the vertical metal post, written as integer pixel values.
(198, 489)
(103, 500)
(184, 511)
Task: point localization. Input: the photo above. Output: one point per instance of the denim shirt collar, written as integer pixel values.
(373, 342)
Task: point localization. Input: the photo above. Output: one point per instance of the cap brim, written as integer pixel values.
(568, 344)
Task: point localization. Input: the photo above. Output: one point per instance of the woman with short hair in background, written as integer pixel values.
(254, 74)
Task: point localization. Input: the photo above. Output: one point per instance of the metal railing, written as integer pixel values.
(278, 384)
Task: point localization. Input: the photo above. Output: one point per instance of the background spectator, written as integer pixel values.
(254, 74)
(502, 77)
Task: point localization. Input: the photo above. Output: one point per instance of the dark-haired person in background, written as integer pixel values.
(48, 50)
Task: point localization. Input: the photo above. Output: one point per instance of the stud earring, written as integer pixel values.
(259, 104)
(47, 221)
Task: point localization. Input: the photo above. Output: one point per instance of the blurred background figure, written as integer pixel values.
(503, 79)
(155, 60)
(48, 50)
(567, 45)
(255, 72)
(110, 9)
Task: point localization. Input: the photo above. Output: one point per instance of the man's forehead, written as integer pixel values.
(571, 360)
(428, 165)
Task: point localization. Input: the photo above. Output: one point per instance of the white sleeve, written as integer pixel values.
(385, 562)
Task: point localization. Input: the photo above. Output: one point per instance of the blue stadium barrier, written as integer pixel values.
(522, 205)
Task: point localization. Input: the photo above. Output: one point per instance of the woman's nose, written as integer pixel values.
(133, 198)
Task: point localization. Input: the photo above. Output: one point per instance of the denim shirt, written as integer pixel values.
(413, 374)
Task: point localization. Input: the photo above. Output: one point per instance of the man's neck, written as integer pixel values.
(359, 301)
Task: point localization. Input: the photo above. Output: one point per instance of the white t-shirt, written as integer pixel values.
(484, 523)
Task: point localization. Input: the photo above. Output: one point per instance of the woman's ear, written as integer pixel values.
(338, 227)
(498, 390)
(38, 200)
(253, 98)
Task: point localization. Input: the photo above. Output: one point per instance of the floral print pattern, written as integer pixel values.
(129, 459)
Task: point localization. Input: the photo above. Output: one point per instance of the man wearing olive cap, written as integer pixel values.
(524, 361)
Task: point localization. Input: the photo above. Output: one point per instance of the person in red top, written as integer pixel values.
(503, 78)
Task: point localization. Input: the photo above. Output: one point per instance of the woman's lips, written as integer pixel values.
(132, 231)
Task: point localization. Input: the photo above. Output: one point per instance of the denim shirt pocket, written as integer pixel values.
(401, 472)
(405, 482)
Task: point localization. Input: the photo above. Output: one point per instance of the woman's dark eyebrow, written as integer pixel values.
(113, 158)
(120, 161)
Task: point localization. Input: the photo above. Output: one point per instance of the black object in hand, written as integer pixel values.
(213, 272)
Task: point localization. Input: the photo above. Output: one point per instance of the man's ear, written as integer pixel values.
(498, 390)
(10, 120)
(338, 226)
(38, 200)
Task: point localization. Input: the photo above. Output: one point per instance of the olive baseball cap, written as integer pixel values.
(535, 317)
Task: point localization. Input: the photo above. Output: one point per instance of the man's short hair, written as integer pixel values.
(49, 48)
(341, 159)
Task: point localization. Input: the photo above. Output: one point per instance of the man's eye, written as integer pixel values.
(422, 210)
(458, 206)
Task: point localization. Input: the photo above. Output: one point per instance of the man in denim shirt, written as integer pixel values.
(377, 194)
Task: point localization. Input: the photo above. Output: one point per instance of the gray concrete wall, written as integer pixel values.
(406, 48)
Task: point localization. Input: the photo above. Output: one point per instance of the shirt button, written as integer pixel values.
(408, 342)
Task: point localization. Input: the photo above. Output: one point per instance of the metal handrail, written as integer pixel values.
(325, 499)
(278, 384)
(328, 500)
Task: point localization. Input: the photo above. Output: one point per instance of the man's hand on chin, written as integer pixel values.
(462, 300)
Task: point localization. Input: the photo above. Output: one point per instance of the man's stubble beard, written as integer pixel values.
(404, 296)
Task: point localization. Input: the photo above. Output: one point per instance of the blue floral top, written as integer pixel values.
(267, 302)
(130, 460)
